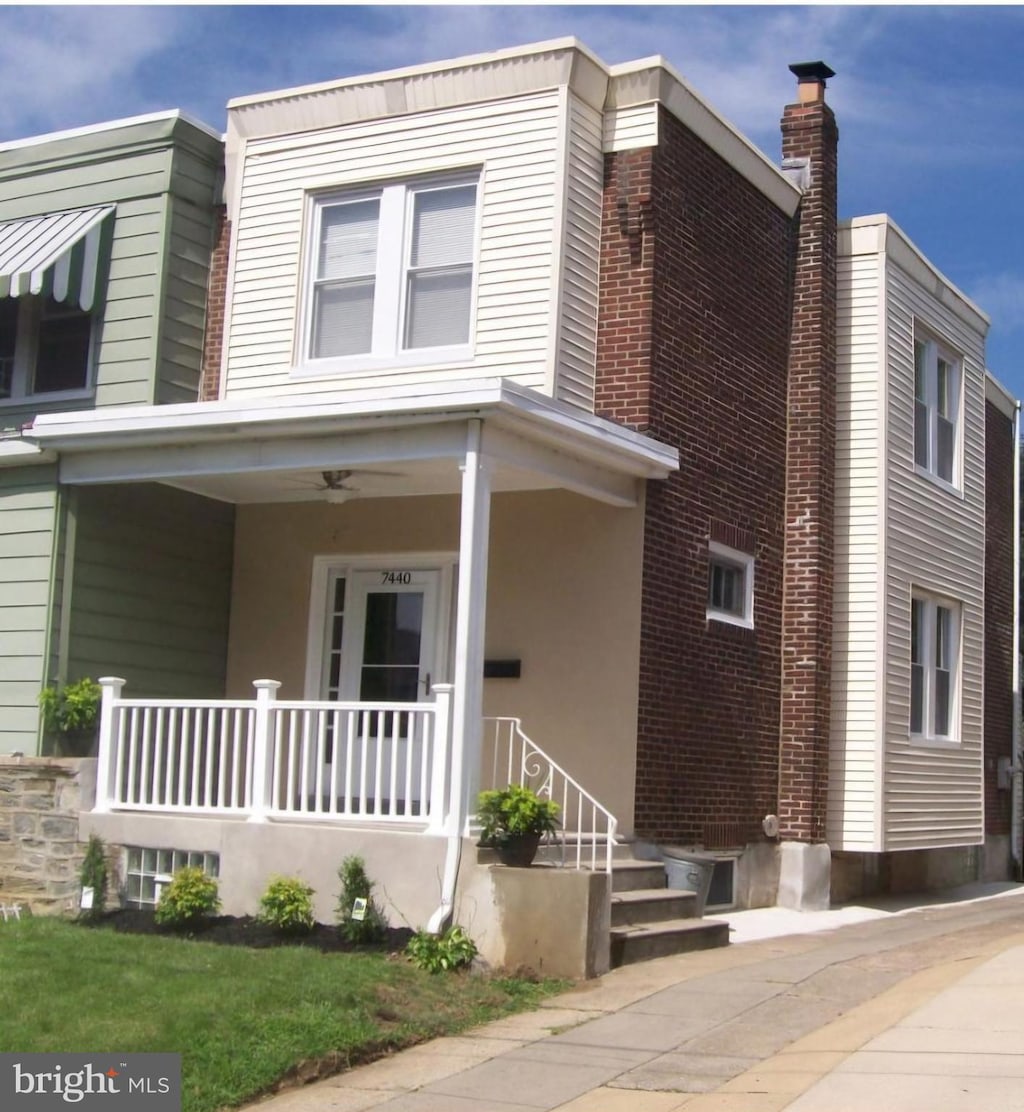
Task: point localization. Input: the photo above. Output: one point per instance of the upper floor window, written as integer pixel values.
(937, 379)
(391, 273)
(934, 653)
(45, 347)
(730, 585)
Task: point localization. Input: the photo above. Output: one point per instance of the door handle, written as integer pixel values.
(426, 683)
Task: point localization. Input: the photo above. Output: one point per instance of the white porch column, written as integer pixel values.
(470, 622)
(107, 748)
(262, 750)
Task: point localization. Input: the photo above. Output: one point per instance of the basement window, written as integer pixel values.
(730, 586)
(145, 870)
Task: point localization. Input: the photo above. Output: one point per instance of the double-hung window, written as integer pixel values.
(730, 585)
(391, 273)
(934, 653)
(44, 347)
(937, 377)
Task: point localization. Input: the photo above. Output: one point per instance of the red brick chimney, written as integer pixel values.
(809, 138)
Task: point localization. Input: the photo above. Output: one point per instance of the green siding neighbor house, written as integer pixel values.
(105, 241)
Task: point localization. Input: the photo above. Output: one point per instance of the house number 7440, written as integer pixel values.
(393, 577)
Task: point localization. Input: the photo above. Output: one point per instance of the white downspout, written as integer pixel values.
(467, 707)
(1017, 794)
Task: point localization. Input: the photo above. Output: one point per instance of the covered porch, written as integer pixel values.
(428, 595)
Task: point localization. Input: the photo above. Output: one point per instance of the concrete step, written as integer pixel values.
(628, 875)
(672, 936)
(651, 905)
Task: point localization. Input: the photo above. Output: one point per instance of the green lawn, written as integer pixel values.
(241, 1019)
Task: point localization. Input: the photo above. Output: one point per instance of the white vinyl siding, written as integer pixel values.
(857, 626)
(513, 146)
(936, 546)
(577, 349)
(629, 128)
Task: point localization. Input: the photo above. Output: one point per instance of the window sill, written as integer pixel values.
(352, 365)
(923, 742)
(935, 480)
(41, 399)
(729, 619)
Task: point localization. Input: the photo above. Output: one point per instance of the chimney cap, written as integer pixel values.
(811, 71)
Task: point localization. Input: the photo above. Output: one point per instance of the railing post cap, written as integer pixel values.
(442, 688)
(266, 685)
(111, 681)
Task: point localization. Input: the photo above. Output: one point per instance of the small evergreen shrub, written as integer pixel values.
(360, 920)
(188, 899)
(287, 906)
(94, 875)
(441, 953)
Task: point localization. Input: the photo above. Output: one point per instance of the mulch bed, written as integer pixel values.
(243, 930)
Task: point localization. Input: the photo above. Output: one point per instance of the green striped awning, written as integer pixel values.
(58, 254)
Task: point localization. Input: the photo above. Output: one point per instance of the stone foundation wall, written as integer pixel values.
(40, 851)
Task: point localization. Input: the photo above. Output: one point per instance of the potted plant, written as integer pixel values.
(70, 715)
(513, 820)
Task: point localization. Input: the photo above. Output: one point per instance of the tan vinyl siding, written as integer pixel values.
(933, 793)
(628, 128)
(856, 715)
(28, 526)
(577, 351)
(516, 143)
(151, 588)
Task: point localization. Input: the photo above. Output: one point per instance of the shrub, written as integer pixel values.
(71, 708)
(441, 953)
(188, 899)
(287, 905)
(94, 875)
(514, 811)
(361, 924)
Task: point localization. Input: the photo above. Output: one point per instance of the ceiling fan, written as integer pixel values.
(335, 485)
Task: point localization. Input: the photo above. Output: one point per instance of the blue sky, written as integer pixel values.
(930, 100)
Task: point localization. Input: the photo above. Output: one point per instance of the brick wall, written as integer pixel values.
(40, 855)
(809, 131)
(213, 340)
(692, 348)
(998, 612)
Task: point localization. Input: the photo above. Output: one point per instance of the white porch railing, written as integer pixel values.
(587, 832)
(264, 758)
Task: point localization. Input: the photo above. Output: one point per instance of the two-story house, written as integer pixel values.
(105, 241)
(922, 686)
(524, 419)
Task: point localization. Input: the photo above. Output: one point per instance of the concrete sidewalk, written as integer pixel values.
(915, 1011)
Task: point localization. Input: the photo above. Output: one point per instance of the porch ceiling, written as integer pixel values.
(384, 444)
(381, 480)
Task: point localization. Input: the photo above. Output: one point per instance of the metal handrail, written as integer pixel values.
(517, 759)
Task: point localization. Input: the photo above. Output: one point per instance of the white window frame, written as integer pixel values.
(742, 562)
(930, 606)
(29, 319)
(318, 631)
(393, 250)
(935, 352)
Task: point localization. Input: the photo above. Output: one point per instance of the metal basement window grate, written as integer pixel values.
(144, 867)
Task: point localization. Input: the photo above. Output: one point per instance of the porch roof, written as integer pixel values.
(194, 445)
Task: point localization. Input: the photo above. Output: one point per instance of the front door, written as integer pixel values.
(381, 645)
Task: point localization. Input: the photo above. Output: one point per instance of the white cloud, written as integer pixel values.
(1001, 296)
(64, 66)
